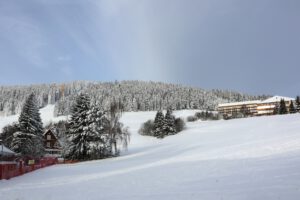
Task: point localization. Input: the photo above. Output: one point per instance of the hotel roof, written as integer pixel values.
(269, 100)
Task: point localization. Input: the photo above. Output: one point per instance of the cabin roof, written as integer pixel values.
(51, 132)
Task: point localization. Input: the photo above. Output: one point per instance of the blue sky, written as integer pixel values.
(249, 46)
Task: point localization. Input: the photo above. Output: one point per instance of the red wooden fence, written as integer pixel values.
(10, 169)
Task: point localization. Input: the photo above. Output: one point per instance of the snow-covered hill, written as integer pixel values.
(253, 158)
(133, 95)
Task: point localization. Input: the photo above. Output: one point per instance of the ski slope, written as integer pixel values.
(253, 158)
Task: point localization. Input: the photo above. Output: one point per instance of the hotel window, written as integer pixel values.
(48, 144)
(48, 137)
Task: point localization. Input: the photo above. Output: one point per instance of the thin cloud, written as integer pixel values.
(207, 43)
(25, 38)
(64, 58)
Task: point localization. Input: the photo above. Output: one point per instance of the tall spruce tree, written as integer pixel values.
(282, 107)
(292, 108)
(169, 123)
(97, 137)
(29, 139)
(158, 125)
(79, 131)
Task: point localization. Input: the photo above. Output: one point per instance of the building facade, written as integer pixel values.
(253, 108)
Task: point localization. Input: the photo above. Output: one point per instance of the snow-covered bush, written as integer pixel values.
(179, 124)
(205, 115)
(147, 128)
(191, 118)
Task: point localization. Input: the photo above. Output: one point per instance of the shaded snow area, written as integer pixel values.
(253, 158)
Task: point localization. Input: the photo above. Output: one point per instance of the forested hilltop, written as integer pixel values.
(132, 95)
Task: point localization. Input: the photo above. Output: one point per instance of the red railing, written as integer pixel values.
(10, 169)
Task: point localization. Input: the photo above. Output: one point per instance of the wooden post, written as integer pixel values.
(1, 171)
(21, 167)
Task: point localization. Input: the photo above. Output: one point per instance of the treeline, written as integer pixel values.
(132, 95)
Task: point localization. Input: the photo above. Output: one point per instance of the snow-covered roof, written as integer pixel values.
(5, 150)
(47, 130)
(269, 100)
(277, 99)
(50, 130)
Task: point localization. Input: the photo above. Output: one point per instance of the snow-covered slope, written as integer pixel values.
(254, 158)
(46, 115)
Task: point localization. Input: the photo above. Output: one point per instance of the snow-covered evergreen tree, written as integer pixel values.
(292, 108)
(282, 107)
(159, 122)
(169, 123)
(7, 134)
(79, 132)
(24, 143)
(93, 133)
(297, 104)
(29, 139)
(99, 144)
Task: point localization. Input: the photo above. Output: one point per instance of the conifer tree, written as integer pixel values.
(276, 109)
(23, 143)
(29, 139)
(79, 132)
(297, 104)
(158, 125)
(7, 134)
(95, 134)
(97, 137)
(282, 107)
(292, 108)
(169, 123)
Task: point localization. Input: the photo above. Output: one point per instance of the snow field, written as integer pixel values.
(252, 158)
